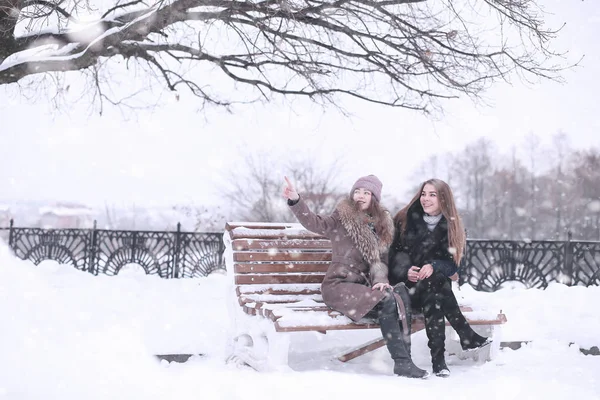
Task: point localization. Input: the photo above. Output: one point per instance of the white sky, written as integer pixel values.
(70, 335)
(177, 154)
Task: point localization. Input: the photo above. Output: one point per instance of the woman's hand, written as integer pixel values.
(425, 272)
(289, 191)
(413, 274)
(381, 286)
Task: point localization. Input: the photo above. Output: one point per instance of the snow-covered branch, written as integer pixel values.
(400, 53)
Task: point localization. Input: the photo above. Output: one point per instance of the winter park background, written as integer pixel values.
(524, 162)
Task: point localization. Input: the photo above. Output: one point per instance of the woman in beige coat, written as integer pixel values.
(356, 283)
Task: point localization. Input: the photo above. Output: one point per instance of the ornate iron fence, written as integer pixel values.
(99, 251)
(488, 265)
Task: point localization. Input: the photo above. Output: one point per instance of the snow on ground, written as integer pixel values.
(69, 335)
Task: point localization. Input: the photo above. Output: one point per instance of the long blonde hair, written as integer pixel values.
(456, 231)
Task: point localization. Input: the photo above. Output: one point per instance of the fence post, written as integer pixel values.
(93, 244)
(464, 274)
(222, 252)
(10, 234)
(177, 249)
(568, 267)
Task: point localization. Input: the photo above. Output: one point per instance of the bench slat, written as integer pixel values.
(281, 327)
(242, 233)
(418, 324)
(280, 256)
(271, 235)
(281, 299)
(254, 279)
(279, 289)
(273, 268)
(263, 244)
(229, 226)
(292, 305)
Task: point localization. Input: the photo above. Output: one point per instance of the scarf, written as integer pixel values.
(432, 220)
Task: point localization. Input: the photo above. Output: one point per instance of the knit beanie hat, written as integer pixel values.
(370, 183)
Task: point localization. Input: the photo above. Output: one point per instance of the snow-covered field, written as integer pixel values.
(69, 335)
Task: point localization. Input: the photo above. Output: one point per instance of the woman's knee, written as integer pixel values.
(402, 291)
(387, 305)
(436, 281)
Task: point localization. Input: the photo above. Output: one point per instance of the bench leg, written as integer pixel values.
(261, 349)
(373, 345)
(240, 350)
(494, 348)
(360, 350)
(278, 351)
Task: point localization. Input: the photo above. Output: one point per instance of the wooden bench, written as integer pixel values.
(276, 270)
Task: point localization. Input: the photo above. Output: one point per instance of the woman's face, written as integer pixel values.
(363, 198)
(429, 200)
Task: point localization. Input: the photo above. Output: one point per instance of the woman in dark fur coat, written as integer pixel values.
(428, 245)
(356, 283)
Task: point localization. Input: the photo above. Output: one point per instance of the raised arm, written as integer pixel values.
(311, 221)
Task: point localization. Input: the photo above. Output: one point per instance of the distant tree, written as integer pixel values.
(498, 224)
(253, 191)
(518, 198)
(320, 187)
(402, 53)
(532, 143)
(205, 219)
(435, 166)
(500, 198)
(121, 218)
(472, 171)
(586, 175)
(558, 186)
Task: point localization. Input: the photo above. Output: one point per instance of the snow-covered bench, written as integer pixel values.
(276, 270)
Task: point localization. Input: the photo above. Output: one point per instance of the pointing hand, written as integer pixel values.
(289, 192)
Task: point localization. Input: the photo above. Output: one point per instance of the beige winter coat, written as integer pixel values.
(359, 258)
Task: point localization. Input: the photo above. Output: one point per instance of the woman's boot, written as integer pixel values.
(402, 291)
(469, 339)
(393, 336)
(435, 327)
(439, 367)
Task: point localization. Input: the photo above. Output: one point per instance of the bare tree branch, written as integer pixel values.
(402, 53)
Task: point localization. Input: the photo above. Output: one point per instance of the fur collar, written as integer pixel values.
(368, 243)
(417, 226)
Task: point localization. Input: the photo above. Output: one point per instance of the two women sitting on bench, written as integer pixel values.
(357, 283)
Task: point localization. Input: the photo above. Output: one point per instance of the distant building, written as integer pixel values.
(65, 216)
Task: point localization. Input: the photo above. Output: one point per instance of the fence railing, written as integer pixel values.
(488, 265)
(174, 254)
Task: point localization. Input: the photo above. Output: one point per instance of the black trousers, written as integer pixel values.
(434, 298)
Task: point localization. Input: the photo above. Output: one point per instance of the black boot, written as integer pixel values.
(391, 330)
(476, 342)
(435, 327)
(402, 291)
(439, 367)
(469, 339)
